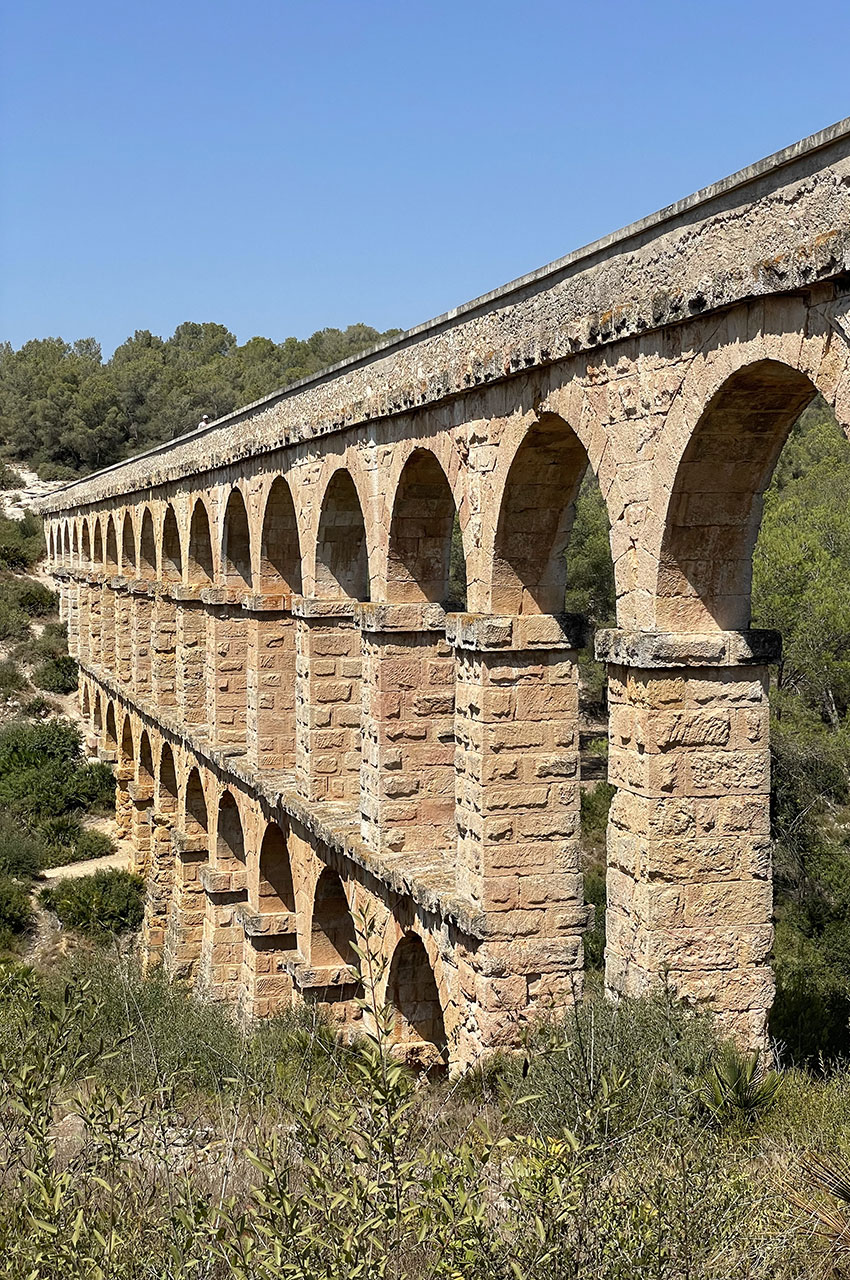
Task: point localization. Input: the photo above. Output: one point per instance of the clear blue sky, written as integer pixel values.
(281, 166)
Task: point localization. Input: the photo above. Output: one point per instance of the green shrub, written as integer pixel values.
(103, 903)
(595, 803)
(16, 914)
(21, 542)
(14, 623)
(12, 679)
(22, 852)
(56, 675)
(93, 844)
(10, 478)
(39, 708)
(52, 643)
(30, 596)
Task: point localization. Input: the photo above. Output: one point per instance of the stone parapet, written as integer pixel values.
(666, 649)
(487, 632)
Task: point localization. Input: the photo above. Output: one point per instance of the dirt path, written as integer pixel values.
(119, 859)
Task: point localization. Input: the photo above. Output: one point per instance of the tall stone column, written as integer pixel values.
(95, 620)
(271, 688)
(163, 652)
(123, 774)
(219, 970)
(142, 619)
(226, 675)
(185, 928)
(689, 861)
(518, 819)
(141, 800)
(107, 628)
(73, 617)
(158, 888)
(327, 701)
(124, 637)
(191, 673)
(407, 778)
(84, 625)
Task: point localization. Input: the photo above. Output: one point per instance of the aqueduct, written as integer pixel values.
(305, 724)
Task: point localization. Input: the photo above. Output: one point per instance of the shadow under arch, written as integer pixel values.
(276, 892)
(425, 557)
(147, 546)
(128, 754)
(145, 761)
(342, 558)
(86, 546)
(280, 551)
(168, 790)
(111, 728)
(230, 837)
(97, 545)
(200, 556)
(332, 932)
(197, 818)
(128, 545)
(172, 558)
(236, 543)
(715, 507)
(111, 544)
(419, 1029)
(536, 515)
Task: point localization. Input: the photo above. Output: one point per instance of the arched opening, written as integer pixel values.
(236, 544)
(98, 715)
(111, 729)
(280, 551)
(342, 562)
(75, 545)
(85, 702)
(535, 519)
(145, 765)
(332, 934)
(128, 755)
(412, 992)
(86, 557)
(230, 839)
(98, 545)
(196, 806)
(128, 546)
(715, 507)
(168, 791)
(200, 558)
(423, 536)
(172, 562)
(276, 892)
(147, 546)
(111, 545)
(66, 545)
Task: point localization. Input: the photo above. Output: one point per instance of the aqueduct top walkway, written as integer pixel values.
(306, 723)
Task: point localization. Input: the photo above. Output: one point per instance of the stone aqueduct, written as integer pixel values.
(304, 727)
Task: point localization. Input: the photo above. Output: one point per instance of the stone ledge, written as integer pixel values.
(650, 650)
(218, 883)
(186, 846)
(266, 924)
(378, 616)
(312, 607)
(515, 632)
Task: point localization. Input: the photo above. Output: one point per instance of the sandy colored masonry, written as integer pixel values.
(307, 729)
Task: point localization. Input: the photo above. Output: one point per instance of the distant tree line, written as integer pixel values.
(66, 411)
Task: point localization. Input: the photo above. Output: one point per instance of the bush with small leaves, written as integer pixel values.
(12, 679)
(56, 675)
(16, 914)
(100, 904)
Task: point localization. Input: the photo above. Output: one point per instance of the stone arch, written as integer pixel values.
(128, 545)
(111, 544)
(236, 543)
(97, 719)
(172, 558)
(75, 544)
(332, 932)
(714, 511)
(97, 545)
(536, 511)
(128, 754)
(200, 557)
(168, 791)
(342, 558)
(424, 517)
(85, 701)
(145, 768)
(147, 546)
(111, 726)
(280, 552)
(276, 892)
(66, 544)
(230, 835)
(412, 992)
(86, 545)
(197, 818)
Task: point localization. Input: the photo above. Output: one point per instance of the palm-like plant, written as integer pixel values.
(830, 1218)
(739, 1086)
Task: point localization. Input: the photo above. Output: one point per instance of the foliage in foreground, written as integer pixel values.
(143, 1136)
